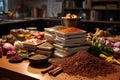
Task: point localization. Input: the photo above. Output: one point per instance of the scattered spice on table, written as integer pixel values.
(85, 64)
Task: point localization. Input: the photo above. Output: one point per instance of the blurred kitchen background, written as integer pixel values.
(30, 8)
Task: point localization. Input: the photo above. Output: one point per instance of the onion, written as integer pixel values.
(117, 44)
(108, 43)
(7, 47)
(11, 53)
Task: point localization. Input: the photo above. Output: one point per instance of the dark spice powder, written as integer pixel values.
(85, 64)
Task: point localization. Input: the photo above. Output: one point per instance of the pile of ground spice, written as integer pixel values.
(85, 64)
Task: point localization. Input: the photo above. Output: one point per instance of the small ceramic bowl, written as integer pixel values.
(38, 59)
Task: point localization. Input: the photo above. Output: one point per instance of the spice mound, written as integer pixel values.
(86, 65)
(70, 30)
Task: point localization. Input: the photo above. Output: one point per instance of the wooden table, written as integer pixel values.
(23, 71)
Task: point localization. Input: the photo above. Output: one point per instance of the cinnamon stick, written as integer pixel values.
(47, 69)
(57, 71)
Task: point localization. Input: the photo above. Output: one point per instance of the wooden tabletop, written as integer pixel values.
(23, 71)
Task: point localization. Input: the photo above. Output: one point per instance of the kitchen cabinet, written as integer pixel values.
(106, 11)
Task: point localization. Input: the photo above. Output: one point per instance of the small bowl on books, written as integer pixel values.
(70, 22)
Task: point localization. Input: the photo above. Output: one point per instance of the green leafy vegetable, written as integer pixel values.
(99, 47)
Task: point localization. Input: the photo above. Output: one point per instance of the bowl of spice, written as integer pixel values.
(38, 59)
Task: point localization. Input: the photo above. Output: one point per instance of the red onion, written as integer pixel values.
(7, 47)
(11, 53)
(117, 44)
(108, 43)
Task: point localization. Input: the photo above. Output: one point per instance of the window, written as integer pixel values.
(3, 6)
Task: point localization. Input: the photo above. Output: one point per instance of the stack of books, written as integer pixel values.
(69, 43)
